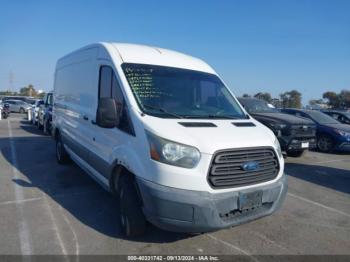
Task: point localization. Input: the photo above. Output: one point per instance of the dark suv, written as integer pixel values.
(331, 135)
(45, 113)
(295, 134)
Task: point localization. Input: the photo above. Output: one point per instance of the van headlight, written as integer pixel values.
(278, 148)
(172, 153)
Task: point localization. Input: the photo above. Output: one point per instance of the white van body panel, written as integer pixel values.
(76, 89)
(131, 53)
(174, 198)
(210, 140)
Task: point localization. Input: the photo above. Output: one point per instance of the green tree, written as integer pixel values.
(28, 91)
(332, 98)
(246, 95)
(264, 96)
(344, 98)
(316, 101)
(291, 99)
(341, 100)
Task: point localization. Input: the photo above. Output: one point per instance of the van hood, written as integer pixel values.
(221, 134)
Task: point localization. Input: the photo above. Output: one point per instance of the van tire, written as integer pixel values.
(46, 127)
(21, 110)
(61, 153)
(132, 219)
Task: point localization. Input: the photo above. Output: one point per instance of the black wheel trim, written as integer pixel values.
(325, 143)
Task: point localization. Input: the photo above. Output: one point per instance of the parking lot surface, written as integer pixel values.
(46, 208)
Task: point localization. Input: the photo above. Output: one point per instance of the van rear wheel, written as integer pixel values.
(61, 153)
(132, 219)
(46, 128)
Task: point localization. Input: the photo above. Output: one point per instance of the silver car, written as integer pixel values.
(18, 106)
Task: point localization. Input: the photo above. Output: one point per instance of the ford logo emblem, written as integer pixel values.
(250, 166)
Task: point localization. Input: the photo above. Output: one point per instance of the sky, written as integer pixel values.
(255, 46)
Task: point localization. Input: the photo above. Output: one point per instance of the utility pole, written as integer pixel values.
(11, 80)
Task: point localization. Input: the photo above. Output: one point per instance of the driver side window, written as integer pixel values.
(208, 94)
(109, 87)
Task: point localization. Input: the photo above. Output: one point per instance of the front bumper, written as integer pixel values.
(195, 211)
(295, 143)
(344, 146)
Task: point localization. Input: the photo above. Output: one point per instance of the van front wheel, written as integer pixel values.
(132, 219)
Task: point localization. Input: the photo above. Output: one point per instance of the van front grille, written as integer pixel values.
(243, 167)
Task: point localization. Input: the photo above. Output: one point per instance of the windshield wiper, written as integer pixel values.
(214, 117)
(162, 110)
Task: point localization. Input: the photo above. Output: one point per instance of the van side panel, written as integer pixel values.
(75, 99)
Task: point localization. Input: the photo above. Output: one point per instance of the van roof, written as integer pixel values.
(143, 54)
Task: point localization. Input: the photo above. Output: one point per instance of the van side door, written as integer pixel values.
(107, 139)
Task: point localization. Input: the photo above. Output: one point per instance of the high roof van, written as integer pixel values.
(161, 131)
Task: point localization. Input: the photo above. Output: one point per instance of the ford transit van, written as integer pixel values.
(161, 131)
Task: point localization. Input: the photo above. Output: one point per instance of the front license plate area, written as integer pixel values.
(305, 145)
(250, 200)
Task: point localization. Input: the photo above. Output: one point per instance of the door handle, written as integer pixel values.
(85, 118)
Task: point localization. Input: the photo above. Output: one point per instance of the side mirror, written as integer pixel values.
(107, 115)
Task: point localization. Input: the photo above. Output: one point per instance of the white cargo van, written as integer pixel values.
(160, 130)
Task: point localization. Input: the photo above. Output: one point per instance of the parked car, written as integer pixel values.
(31, 101)
(161, 131)
(35, 110)
(331, 135)
(18, 106)
(5, 110)
(295, 134)
(341, 116)
(45, 113)
(27, 99)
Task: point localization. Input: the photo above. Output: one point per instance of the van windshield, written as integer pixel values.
(180, 93)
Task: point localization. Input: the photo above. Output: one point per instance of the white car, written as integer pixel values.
(35, 110)
(161, 130)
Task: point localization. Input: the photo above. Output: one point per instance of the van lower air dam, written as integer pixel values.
(161, 130)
